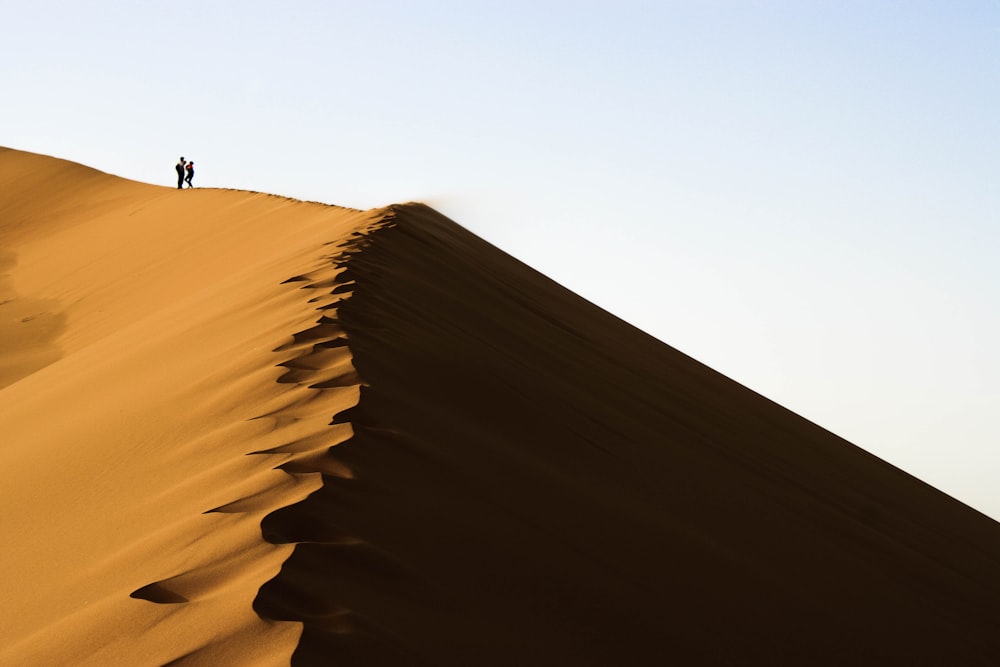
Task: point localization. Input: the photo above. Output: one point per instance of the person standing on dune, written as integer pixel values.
(180, 174)
(190, 173)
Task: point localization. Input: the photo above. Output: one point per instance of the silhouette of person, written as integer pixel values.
(190, 173)
(180, 174)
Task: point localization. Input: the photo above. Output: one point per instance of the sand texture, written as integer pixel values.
(239, 429)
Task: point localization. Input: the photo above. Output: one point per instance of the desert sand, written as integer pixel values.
(240, 429)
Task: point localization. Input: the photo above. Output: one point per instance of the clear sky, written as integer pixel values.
(801, 194)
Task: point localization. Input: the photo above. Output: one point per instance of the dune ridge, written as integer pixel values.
(241, 429)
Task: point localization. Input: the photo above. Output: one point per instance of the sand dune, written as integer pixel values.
(238, 429)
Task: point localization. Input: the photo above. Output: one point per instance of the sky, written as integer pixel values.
(800, 194)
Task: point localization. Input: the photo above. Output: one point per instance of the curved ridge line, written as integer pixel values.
(319, 339)
(326, 335)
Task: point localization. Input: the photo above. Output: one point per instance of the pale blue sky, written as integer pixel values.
(800, 194)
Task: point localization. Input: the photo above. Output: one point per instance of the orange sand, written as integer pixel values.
(238, 429)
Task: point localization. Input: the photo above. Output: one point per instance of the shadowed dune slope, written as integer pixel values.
(239, 429)
(536, 482)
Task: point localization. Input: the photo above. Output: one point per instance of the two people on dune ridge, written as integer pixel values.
(185, 172)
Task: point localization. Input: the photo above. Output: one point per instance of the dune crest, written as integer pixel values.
(238, 429)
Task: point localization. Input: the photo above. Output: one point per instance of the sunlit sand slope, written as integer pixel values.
(144, 409)
(538, 483)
